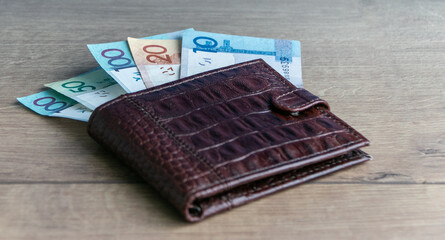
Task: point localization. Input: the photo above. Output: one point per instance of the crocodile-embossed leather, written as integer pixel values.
(222, 138)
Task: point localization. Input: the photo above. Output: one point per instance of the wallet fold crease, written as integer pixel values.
(220, 139)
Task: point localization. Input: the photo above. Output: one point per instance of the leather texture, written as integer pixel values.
(219, 139)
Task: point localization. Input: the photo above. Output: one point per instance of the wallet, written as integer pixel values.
(222, 138)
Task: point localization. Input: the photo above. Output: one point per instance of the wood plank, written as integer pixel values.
(380, 64)
(311, 211)
(384, 77)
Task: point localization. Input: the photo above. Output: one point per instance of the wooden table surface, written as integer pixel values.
(380, 64)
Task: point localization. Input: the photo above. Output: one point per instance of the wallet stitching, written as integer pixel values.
(203, 160)
(302, 174)
(280, 78)
(301, 105)
(271, 127)
(171, 133)
(328, 114)
(178, 142)
(293, 91)
(260, 91)
(287, 162)
(350, 130)
(176, 94)
(287, 93)
(241, 158)
(181, 82)
(193, 78)
(184, 146)
(190, 149)
(293, 177)
(220, 122)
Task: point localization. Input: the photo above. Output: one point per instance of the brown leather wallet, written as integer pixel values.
(219, 139)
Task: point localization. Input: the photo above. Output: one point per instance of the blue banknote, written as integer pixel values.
(203, 51)
(53, 104)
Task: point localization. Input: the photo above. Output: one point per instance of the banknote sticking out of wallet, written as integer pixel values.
(219, 139)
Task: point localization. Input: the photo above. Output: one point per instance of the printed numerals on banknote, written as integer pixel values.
(204, 51)
(158, 61)
(138, 64)
(51, 103)
(116, 59)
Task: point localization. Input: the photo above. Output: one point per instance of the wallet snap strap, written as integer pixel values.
(297, 100)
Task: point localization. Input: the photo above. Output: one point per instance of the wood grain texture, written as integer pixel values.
(380, 65)
(311, 211)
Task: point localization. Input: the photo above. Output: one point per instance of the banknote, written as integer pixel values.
(53, 104)
(94, 99)
(87, 84)
(203, 51)
(115, 58)
(158, 61)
